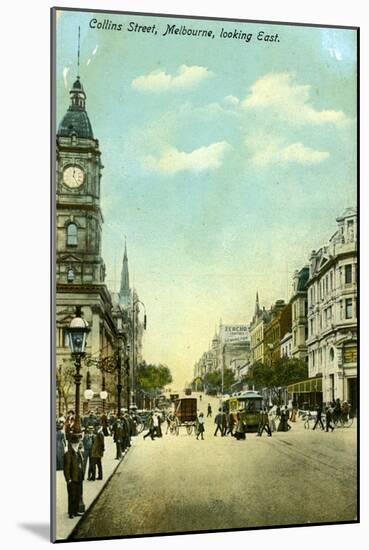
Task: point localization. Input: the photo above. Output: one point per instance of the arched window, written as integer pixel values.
(72, 234)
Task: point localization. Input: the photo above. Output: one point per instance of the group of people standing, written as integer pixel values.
(333, 411)
(80, 455)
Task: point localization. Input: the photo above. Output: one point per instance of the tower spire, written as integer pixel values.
(125, 292)
(257, 307)
(78, 50)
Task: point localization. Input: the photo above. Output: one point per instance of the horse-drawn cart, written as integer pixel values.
(184, 414)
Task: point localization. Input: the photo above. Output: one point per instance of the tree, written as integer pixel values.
(213, 380)
(152, 378)
(285, 371)
(64, 382)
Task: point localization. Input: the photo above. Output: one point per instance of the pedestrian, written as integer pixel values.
(240, 428)
(230, 423)
(200, 397)
(87, 447)
(328, 419)
(318, 419)
(264, 423)
(345, 410)
(151, 428)
(60, 446)
(209, 411)
(200, 426)
(218, 420)
(157, 424)
(104, 424)
(294, 411)
(283, 424)
(69, 425)
(73, 474)
(170, 418)
(117, 433)
(97, 452)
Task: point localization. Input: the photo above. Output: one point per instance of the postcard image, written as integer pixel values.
(205, 298)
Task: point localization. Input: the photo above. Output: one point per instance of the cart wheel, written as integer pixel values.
(189, 429)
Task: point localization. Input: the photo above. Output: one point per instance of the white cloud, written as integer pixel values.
(160, 81)
(231, 100)
(198, 160)
(267, 150)
(290, 101)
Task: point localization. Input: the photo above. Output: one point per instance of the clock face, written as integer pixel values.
(73, 176)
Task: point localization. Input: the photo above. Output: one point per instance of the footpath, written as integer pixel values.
(91, 489)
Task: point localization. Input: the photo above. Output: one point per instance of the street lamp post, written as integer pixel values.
(271, 348)
(134, 358)
(103, 393)
(119, 369)
(77, 335)
(88, 391)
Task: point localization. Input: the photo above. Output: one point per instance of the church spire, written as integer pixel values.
(125, 292)
(257, 307)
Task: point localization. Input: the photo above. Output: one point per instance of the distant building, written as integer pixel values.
(275, 330)
(286, 346)
(332, 312)
(299, 305)
(260, 319)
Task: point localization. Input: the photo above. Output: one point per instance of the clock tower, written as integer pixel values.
(78, 214)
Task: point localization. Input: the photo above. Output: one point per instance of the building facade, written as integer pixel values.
(299, 306)
(257, 326)
(274, 331)
(332, 312)
(115, 328)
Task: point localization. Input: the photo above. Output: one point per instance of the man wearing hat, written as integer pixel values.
(73, 473)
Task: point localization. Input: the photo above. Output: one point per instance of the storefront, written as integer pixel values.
(307, 393)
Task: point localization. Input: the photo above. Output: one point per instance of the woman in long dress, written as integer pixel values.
(60, 447)
(240, 428)
(200, 427)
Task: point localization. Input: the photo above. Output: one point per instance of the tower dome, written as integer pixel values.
(75, 120)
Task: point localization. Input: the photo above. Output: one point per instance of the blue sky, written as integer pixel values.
(226, 163)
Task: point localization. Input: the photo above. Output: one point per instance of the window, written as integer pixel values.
(348, 308)
(70, 275)
(348, 274)
(331, 277)
(72, 234)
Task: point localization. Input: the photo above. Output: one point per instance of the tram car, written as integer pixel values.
(248, 404)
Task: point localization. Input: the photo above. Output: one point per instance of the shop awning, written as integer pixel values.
(311, 385)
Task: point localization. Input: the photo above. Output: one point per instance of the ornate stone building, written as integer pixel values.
(332, 312)
(274, 331)
(299, 305)
(80, 269)
(260, 319)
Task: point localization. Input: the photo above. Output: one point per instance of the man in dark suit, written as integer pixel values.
(117, 433)
(73, 473)
(318, 419)
(97, 452)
